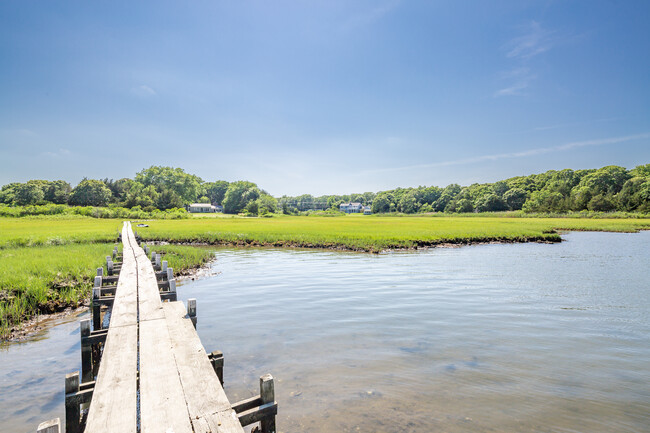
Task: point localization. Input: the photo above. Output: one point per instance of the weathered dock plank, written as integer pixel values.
(162, 404)
(114, 403)
(207, 404)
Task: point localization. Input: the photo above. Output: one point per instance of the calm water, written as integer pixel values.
(489, 338)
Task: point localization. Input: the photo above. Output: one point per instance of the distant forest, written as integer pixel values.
(154, 189)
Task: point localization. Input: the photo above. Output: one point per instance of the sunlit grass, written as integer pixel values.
(19, 232)
(365, 233)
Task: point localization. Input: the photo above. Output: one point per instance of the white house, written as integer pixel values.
(202, 208)
(351, 207)
(367, 210)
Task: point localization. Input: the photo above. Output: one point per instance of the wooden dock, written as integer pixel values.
(148, 371)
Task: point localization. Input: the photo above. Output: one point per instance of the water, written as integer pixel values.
(487, 338)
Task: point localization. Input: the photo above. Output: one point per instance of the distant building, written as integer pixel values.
(202, 208)
(367, 210)
(351, 207)
(218, 208)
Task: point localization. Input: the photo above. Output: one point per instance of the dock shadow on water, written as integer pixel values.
(521, 337)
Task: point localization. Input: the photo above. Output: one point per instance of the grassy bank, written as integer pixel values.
(48, 264)
(362, 233)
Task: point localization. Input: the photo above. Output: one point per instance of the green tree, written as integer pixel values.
(515, 198)
(186, 186)
(266, 204)
(448, 194)
(602, 203)
(58, 192)
(408, 203)
(491, 203)
(8, 192)
(90, 192)
(382, 202)
(238, 195)
(28, 193)
(216, 191)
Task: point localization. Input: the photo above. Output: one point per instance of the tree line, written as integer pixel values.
(162, 188)
(610, 188)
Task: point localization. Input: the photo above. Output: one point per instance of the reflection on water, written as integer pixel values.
(530, 337)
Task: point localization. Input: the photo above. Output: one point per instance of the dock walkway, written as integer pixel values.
(152, 372)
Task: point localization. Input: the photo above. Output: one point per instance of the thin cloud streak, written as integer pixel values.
(522, 154)
(535, 41)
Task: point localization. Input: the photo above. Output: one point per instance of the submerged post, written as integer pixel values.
(72, 409)
(191, 310)
(86, 352)
(267, 393)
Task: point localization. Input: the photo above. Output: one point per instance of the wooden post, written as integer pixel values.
(216, 359)
(100, 272)
(153, 256)
(164, 266)
(109, 267)
(191, 310)
(158, 256)
(86, 352)
(170, 273)
(51, 426)
(267, 394)
(97, 319)
(72, 407)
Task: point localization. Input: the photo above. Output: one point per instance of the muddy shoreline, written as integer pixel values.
(419, 245)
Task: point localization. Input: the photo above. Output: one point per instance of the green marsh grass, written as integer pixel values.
(34, 231)
(369, 233)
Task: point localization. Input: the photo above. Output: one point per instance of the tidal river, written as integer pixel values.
(486, 338)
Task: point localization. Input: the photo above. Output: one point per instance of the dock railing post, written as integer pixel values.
(170, 273)
(72, 407)
(164, 265)
(191, 310)
(97, 320)
(100, 272)
(86, 352)
(51, 426)
(267, 393)
(216, 359)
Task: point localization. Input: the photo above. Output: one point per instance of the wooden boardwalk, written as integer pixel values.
(152, 372)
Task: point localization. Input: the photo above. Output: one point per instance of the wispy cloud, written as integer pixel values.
(533, 41)
(61, 153)
(144, 91)
(519, 79)
(520, 154)
(371, 15)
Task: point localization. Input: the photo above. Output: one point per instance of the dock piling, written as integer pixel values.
(86, 351)
(267, 393)
(216, 359)
(51, 426)
(191, 310)
(97, 290)
(72, 407)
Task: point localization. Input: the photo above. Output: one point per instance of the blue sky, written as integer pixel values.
(323, 96)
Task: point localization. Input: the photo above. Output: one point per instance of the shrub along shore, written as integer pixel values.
(48, 262)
